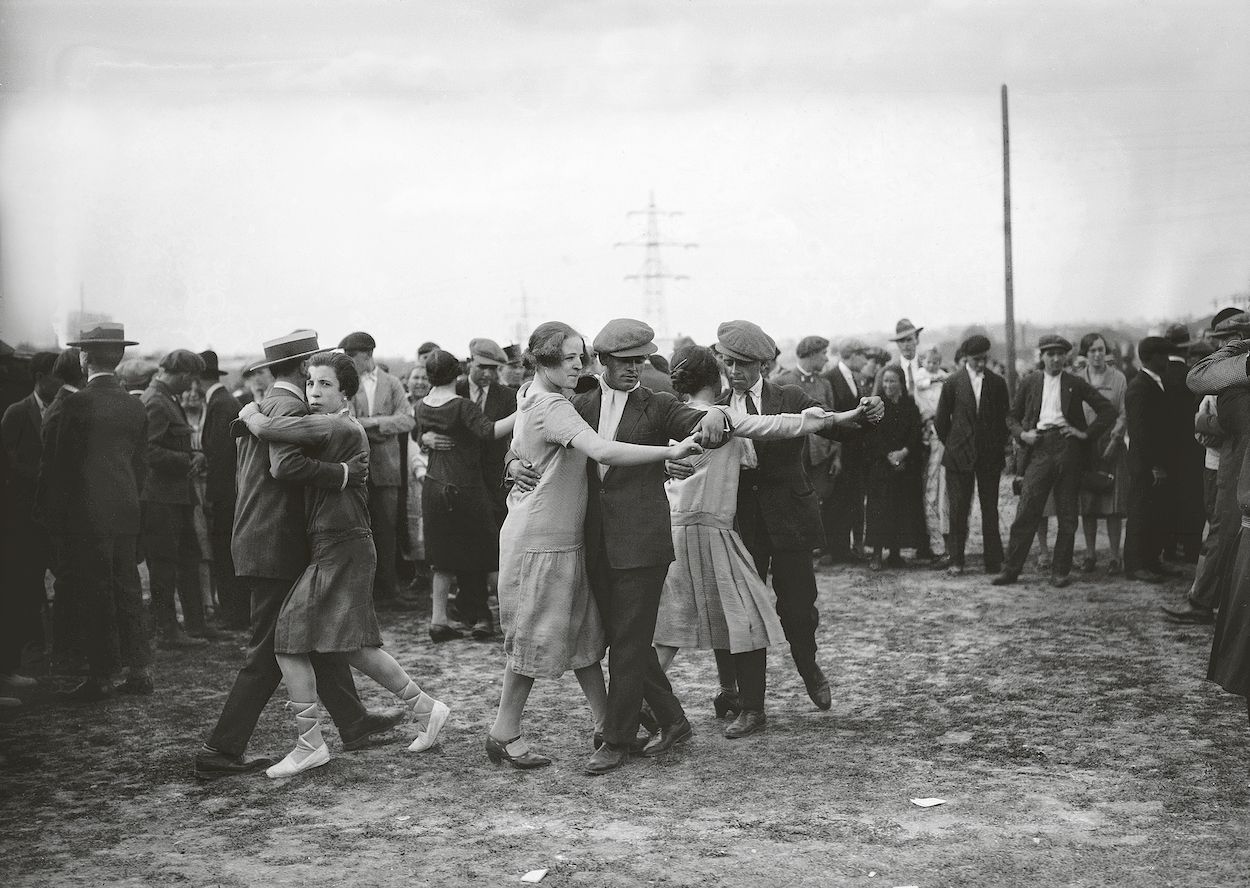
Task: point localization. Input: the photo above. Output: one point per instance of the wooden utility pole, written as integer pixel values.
(1010, 326)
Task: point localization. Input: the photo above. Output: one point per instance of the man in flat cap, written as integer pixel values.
(220, 409)
(270, 551)
(170, 544)
(778, 512)
(629, 540)
(91, 473)
(843, 509)
(1048, 417)
(496, 401)
(822, 457)
(382, 408)
(971, 422)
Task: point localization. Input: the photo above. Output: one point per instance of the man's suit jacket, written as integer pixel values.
(847, 398)
(269, 520)
(169, 448)
(394, 415)
(974, 435)
(219, 452)
(819, 388)
(500, 403)
(20, 431)
(95, 448)
(789, 505)
(1151, 440)
(627, 518)
(1074, 393)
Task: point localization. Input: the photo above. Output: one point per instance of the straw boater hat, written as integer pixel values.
(300, 344)
(102, 334)
(905, 328)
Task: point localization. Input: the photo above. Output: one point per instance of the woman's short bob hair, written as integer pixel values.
(442, 367)
(546, 345)
(694, 368)
(1088, 340)
(344, 371)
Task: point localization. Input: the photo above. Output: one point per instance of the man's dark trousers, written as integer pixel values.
(959, 495)
(1055, 462)
(173, 556)
(231, 594)
(110, 606)
(259, 677)
(793, 580)
(628, 601)
(1150, 509)
(842, 511)
(383, 515)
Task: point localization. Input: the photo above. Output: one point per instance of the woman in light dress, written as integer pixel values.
(928, 392)
(330, 607)
(1109, 454)
(550, 621)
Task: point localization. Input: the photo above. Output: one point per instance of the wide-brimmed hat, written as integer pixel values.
(1178, 335)
(905, 328)
(298, 344)
(102, 334)
(211, 367)
(513, 353)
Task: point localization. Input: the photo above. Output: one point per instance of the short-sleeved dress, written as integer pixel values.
(456, 508)
(713, 597)
(550, 621)
(330, 607)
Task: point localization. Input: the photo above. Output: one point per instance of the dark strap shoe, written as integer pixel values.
(368, 731)
(213, 765)
(515, 752)
(668, 737)
(607, 757)
(748, 722)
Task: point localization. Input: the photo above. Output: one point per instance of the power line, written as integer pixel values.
(653, 273)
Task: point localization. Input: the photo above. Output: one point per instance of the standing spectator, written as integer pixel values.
(1183, 536)
(929, 383)
(1154, 462)
(418, 465)
(513, 373)
(1048, 417)
(192, 402)
(135, 374)
(257, 381)
(383, 411)
(169, 500)
(971, 421)
(895, 508)
(220, 409)
(27, 548)
(842, 510)
(907, 340)
(821, 457)
(94, 449)
(1108, 454)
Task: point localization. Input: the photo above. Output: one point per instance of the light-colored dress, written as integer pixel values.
(1114, 502)
(936, 513)
(713, 597)
(550, 620)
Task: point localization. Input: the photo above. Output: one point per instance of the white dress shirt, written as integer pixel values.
(978, 380)
(212, 388)
(911, 372)
(849, 375)
(1051, 415)
(1155, 376)
(99, 373)
(369, 384)
(477, 394)
(611, 408)
(738, 401)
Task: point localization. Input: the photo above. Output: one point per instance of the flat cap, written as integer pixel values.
(810, 345)
(358, 342)
(1051, 342)
(1236, 324)
(1224, 313)
(852, 346)
(976, 344)
(426, 347)
(136, 372)
(487, 352)
(1178, 335)
(744, 341)
(625, 338)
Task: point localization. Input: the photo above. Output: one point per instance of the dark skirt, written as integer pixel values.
(460, 529)
(895, 512)
(330, 607)
(1230, 649)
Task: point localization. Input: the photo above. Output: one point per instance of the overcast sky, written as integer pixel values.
(219, 173)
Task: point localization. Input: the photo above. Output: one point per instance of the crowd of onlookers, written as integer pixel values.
(1096, 433)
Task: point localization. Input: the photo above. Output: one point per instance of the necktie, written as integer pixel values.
(911, 383)
(751, 405)
(481, 397)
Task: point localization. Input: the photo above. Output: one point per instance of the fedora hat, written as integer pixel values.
(211, 367)
(905, 328)
(102, 334)
(299, 344)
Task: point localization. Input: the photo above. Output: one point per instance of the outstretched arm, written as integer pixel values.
(618, 453)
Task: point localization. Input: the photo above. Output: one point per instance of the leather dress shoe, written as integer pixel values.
(1061, 582)
(1006, 578)
(514, 752)
(372, 724)
(726, 703)
(635, 746)
(213, 765)
(443, 632)
(1145, 576)
(482, 630)
(1189, 614)
(139, 683)
(89, 691)
(817, 687)
(669, 736)
(748, 722)
(607, 757)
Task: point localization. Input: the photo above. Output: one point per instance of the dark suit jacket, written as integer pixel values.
(219, 452)
(1074, 392)
(269, 538)
(1151, 440)
(500, 403)
(20, 431)
(94, 454)
(973, 435)
(627, 510)
(169, 448)
(789, 505)
(846, 398)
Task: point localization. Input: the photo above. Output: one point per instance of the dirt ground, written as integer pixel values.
(1069, 731)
